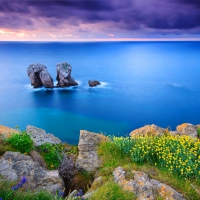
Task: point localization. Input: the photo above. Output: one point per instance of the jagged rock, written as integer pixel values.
(39, 136)
(166, 191)
(148, 130)
(14, 165)
(38, 158)
(187, 129)
(93, 83)
(39, 76)
(87, 146)
(144, 187)
(64, 75)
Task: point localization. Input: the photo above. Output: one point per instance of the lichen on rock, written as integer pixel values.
(144, 187)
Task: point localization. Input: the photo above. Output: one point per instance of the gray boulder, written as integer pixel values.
(64, 75)
(144, 187)
(87, 146)
(14, 165)
(39, 136)
(39, 76)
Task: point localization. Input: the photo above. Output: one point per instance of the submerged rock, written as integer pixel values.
(93, 83)
(14, 165)
(64, 75)
(39, 76)
(39, 136)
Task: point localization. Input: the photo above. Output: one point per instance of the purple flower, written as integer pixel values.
(16, 187)
(80, 193)
(61, 194)
(1, 198)
(20, 184)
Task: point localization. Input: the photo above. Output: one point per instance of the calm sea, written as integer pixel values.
(142, 83)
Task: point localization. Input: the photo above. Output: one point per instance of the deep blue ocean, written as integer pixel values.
(142, 83)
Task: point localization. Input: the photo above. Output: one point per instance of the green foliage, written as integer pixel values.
(113, 155)
(82, 180)
(112, 191)
(5, 190)
(21, 142)
(52, 154)
(178, 154)
(4, 146)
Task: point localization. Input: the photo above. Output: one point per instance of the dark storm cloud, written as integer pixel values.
(122, 15)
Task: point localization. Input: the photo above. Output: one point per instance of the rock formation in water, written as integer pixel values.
(39, 76)
(64, 75)
(93, 83)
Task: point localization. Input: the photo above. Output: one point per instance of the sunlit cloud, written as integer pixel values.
(111, 35)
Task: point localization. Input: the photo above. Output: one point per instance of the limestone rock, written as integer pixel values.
(144, 187)
(166, 191)
(39, 136)
(187, 129)
(38, 158)
(148, 130)
(87, 146)
(14, 165)
(64, 75)
(93, 83)
(39, 76)
(6, 132)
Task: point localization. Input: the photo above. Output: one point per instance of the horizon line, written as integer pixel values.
(112, 40)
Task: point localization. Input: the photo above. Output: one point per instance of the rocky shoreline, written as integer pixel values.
(14, 165)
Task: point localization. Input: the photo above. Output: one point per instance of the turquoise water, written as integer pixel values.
(142, 83)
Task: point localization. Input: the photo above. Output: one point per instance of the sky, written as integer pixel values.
(69, 20)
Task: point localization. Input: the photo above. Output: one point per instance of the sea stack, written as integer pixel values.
(64, 75)
(39, 76)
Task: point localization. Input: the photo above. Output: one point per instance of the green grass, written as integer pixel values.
(112, 191)
(6, 189)
(113, 156)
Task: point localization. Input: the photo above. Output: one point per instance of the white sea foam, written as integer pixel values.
(176, 85)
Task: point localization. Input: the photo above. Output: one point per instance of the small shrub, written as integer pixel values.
(82, 180)
(21, 142)
(52, 154)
